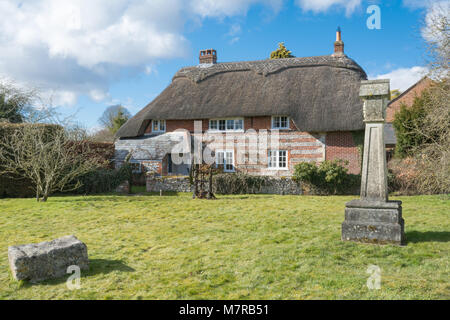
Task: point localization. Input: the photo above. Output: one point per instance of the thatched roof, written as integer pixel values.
(319, 93)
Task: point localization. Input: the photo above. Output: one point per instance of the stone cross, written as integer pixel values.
(373, 218)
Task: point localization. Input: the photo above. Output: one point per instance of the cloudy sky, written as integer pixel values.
(89, 54)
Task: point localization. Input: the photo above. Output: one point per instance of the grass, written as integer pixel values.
(236, 247)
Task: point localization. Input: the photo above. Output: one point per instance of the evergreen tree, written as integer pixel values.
(281, 52)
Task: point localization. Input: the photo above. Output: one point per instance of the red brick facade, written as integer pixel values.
(407, 98)
(340, 145)
(300, 146)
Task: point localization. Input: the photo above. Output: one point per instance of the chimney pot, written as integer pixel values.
(339, 44)
(208, 56)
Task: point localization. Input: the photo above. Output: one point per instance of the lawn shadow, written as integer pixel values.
(428, 236)
(96, 266)
(105, 266)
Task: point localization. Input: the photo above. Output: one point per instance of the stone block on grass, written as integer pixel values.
(47, 260)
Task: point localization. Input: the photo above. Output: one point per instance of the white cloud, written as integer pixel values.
(81, 46)
(403, 78)
(317, 6)
(415, 4)
(436, 12)
(221, 8)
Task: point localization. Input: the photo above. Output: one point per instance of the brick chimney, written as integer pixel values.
(208, 56)
(339, 44)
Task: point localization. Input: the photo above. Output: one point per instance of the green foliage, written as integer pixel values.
(104, 180)
(395, 93)
(281, 52)
(114, 117)
(118, 121)
(330, 177)
(408, 123)
(238, 183)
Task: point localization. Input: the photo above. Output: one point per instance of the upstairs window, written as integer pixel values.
(159, 126)
(226, 125)
(277, 159)
(280, 122)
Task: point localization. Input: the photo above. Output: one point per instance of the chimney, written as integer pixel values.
(208, 56)
(339, 44)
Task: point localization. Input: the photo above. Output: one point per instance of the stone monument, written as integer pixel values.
(373, 218)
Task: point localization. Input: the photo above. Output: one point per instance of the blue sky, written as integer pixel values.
(91, 55)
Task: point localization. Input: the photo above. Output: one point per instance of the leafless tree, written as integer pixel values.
(433, 157)
(51, 160)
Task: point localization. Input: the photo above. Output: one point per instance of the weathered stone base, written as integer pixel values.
(47, 260)
(374, 222)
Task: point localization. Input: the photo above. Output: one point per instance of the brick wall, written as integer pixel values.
(340, 145)
(407, 98)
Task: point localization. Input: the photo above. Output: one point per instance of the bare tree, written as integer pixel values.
(111, 115)
(433, 157)
(51, 159)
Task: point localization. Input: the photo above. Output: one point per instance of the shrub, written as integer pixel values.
(238, 183)
(104, 180)
(402, 176)
(408, 123)
(330, 177)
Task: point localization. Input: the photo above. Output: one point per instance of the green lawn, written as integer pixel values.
(236, 247)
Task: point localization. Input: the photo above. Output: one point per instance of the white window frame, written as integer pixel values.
(159, 122)
(140, 166)
(225, 122)
(225, 152)
(288, 121)
(275, 154)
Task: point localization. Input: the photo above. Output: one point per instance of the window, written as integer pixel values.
(225, 158)
(159, 126)
(136, 166)
(226, 125)
(280, 122)
(277, 159)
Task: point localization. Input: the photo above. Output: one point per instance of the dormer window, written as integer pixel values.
(280, 122)
(159, 126)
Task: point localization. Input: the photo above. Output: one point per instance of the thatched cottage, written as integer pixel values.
(312, 104)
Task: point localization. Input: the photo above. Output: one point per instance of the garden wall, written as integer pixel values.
(274, 185)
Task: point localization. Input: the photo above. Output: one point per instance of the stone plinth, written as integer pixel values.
(374, 222)
(47, 260)
(373, 218)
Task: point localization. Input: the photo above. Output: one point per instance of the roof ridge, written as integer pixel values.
(265, 67)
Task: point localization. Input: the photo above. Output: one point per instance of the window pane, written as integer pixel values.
(220, 158)
(230, 124)
(282, 159)
(238, 124)
(213, 124)
(162, 125)
(155, 125)
(229, 161)
(222, 125)
(284, 122)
